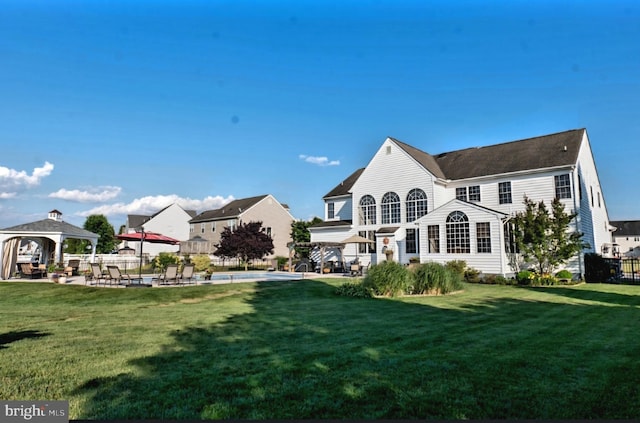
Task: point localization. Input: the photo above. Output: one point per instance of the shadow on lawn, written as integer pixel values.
(13, 336)
(582, 293)
(304, 353)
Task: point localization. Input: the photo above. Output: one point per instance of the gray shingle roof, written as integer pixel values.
(229, 211)
(53, 226)
(332, 224)
(547, 151)
(344, 187)
(529, 154)
(626, 227)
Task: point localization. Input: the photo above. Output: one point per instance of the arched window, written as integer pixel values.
(416, 204)
(390, 208)
(367, 210)
(458, 240)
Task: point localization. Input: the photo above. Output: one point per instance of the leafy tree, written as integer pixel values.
(300, 233)
(163, 259)
(76, 246)
(247, 242)
(543, 238)
(98, 224)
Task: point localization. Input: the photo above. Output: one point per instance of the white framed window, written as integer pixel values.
(390, 208)
(365, 248)
(433, 233)
(483, 237)
(411, 242)
(367, 210)
(474, 193)
(458, 239)
(563, 186)
(504, 193)
(416, 204)
(461, 193)
(330, 210)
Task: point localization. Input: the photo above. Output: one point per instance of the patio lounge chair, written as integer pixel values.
(72, 267)
(28, 271)
(187, 274)
(96, 275)
(115, 276)
(170, 275)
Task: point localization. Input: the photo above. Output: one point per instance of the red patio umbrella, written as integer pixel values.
(143, 237)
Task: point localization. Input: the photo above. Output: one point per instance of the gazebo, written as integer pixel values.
(50, 233)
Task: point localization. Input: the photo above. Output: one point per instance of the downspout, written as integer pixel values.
(503, 252)
(577, 218)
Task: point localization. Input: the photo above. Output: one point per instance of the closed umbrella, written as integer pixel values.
(143, 237)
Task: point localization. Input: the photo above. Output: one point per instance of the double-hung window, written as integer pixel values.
(483, 237)
(504, 193)
(563, 186)
(433, 233)
(412, 241)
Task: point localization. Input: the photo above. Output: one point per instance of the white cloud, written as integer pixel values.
(320, 161)
(12, 180)
(92, 195)
(151, 204)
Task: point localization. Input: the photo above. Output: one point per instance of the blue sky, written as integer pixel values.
(124, 107)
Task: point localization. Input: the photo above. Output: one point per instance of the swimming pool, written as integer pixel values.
(230, 277)
(269, 276)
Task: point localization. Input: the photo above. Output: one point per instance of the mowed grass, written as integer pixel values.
(291, 350)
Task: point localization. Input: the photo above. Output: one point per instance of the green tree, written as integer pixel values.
(98, 224)
(247, 242)
(543, 238)
(75, 246)
(300, 233)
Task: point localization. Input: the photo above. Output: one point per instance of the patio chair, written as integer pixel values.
(27, 270)
(356, 270)
(72, 267)
(187, 274)
(116, 276)
(170, 275)
(96, 275)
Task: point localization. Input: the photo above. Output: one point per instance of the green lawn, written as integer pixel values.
(282, 350)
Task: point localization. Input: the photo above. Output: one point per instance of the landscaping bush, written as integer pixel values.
(434, 278)
(388, 278)
(525, 277)
(458, 266)
(354, 289)
(472, 275)
(201, 262)
(492, 279)
(163, 259)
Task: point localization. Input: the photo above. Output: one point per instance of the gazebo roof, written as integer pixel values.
(49, 226)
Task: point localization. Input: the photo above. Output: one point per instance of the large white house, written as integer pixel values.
(457, 205)
(172, 221)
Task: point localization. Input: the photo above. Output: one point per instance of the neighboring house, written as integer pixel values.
(626, 235)
(172, 221)
(457, 205)
(205, 228)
